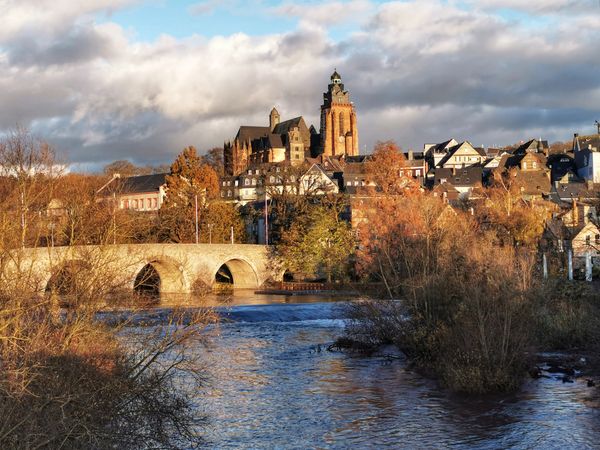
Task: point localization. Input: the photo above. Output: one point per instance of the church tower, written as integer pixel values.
(339, 132)
(273, 119)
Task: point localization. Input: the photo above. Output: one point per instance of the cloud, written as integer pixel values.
(325, 13)
(539, 6)
(418, 71)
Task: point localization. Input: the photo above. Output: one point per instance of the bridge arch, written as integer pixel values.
(238, 272)
(69, 278)
(160, 275)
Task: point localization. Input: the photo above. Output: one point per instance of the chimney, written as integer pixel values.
(410, 155)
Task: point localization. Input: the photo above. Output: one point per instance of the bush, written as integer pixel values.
(466, 314)
(567, 316)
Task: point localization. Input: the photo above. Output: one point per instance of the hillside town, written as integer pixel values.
(289, 157)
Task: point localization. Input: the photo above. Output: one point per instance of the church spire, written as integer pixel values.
(273, 119)
(336, 78)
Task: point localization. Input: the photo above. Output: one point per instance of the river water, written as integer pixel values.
(272, 384)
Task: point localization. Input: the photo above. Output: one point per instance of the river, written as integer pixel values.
(272, 384)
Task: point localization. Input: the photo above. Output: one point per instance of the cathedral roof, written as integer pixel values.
(285, 126)
(249, 133)
(335, 75)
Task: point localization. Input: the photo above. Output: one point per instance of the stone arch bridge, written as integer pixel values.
(176, 268)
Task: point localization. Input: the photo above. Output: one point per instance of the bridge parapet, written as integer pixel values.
(178, 266)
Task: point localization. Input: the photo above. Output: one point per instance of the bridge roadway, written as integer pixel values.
(180, 267)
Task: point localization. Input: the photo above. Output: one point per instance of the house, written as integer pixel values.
(574, 230)
(462, 155)
(446, 192)
(465, 181)
(356, 180)
(586, 151)
(267, 180)
(527, 167)
(415, 165)
(137, 193)
(315, 181)
(561, 165)
(434, 153)
(533, 146)
(568, 189)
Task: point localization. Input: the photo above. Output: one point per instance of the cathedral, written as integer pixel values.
(292, 140)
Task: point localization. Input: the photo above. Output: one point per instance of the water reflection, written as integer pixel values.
(273, 385)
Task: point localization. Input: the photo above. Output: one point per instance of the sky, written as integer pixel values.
(141, 79)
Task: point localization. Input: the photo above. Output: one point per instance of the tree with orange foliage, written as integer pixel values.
(193, 181)
(191, 177)
(513, 220)
(385, 167)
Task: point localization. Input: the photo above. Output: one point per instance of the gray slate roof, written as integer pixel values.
(142, 183)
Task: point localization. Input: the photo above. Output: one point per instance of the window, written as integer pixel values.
(155, 201)
(533, 165)
(355, 182)
(222, 194)
(271, 179)
(292, 178)
(135, 204)
(253, 181)
(223, 183)
(148, 203)
(126, 204)
(247, 182)
(228, 193)
(348, 183)
(402, 173)
(297, 156)
(588, 239)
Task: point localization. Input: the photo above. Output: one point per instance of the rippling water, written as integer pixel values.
(273, 384)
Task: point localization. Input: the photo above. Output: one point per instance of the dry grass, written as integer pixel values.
(69, 380)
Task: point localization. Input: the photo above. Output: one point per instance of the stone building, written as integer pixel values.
(339, 131)
(292, 141)
(138, 193)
